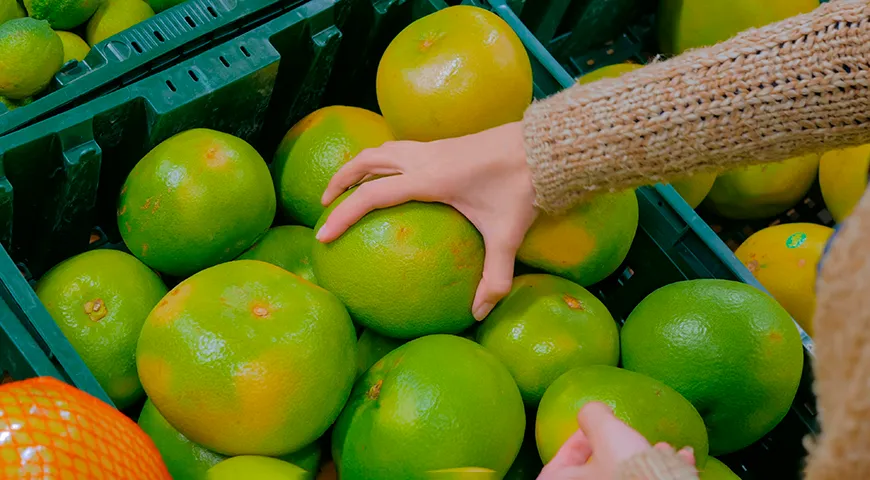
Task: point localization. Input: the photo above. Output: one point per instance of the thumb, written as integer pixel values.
(596, 420)
(498, 273)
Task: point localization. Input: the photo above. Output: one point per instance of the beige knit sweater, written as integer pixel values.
(795, 87)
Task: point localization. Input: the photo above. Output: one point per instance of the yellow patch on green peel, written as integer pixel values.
(469, 473)
(549, 236)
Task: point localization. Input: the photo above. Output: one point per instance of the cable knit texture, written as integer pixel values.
(794, 87)
(653, 464)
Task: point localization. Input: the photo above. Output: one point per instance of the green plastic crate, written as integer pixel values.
(63, 174)
(176, 33)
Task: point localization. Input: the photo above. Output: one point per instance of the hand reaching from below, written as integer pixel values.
(601, 443)
(484, 176)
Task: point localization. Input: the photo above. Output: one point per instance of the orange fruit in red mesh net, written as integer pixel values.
(49, 429)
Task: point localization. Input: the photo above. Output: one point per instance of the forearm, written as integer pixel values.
(791, 88)
(842, 366)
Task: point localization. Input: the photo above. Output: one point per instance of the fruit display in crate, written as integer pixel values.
(251, 362)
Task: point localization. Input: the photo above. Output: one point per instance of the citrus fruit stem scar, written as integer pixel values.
(96, 309)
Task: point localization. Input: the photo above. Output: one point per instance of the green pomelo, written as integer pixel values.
(288, 247)
(439, 402)
(404, 271)
(195, 200)
(100, 300)
(727, 347)
(546, 326)
(251, 342)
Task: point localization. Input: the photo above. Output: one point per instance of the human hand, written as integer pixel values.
(595, 451)
(484, 176)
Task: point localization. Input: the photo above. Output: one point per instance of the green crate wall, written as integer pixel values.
(149, 46)
(63, 174)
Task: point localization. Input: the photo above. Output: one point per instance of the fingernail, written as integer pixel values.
(482, 311)
(319, 234)
(689, 450)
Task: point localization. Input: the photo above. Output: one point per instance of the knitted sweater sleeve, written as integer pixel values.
(794, 87)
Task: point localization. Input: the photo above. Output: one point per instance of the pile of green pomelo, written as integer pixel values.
(277, 354)
(38, 37)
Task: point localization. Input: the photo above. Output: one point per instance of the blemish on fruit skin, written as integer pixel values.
(775, 336)
(127, 224)
(96, 309)
(375, 391)
(260, 310)
(572, 302)
(402, 234)
(122, 211)
(124, 189)
(144, 249)
(147, 204)
(752, 266)
(156, 205)
(802, 262)
(215, 158)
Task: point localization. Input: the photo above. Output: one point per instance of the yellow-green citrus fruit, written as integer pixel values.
(100, 300)
(457, 71)
(198, 199)
(245, 358)
(404, 271)
(843, 178)
(74, 48)
(439, 402)
(785, 258)
(716, 470)
(762, 191)
(546, 326)
(288, 247)
(372, 347)
(187, 460)
(315, 148)
(30, 54)
(610, 71)
(686, 24)
(62, 14)
(652, 408)
(727, 347)
(694, 189)
(10, 10)
(586, 244)
(160, 5)
(115, 16)
(261, 468)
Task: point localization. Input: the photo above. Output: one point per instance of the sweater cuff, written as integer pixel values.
(655, 464)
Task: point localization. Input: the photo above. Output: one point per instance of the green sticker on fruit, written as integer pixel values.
(795, 240)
